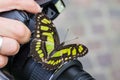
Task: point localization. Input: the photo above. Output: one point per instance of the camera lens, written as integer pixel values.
(75, 73)
(72, 70)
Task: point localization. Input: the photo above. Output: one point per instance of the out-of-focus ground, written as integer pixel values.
(97, 24)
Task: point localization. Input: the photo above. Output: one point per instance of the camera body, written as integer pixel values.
(23, 67)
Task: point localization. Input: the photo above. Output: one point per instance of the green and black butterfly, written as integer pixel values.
(46, 47)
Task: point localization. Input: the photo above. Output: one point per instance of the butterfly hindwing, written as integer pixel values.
(71, 51)
(67, 53)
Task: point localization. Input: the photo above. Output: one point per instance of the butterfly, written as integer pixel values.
(46, 48)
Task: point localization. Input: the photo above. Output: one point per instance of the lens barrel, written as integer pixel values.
(75, 73)
(72, 70)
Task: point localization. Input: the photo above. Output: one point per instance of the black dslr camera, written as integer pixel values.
(24, 68)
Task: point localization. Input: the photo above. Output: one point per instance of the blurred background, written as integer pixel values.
(97, 24)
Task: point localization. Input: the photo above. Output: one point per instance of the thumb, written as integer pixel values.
(27, 5)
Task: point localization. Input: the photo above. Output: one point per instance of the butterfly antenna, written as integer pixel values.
(72, 39)
(66, 41)
(66, 35)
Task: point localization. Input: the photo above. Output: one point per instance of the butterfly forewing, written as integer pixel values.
(45, 38)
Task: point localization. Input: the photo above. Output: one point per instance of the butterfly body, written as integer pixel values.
(46, 47)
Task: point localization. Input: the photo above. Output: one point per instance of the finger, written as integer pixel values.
(9, 47)
(14, 29)
(28, 5)
(3, 61)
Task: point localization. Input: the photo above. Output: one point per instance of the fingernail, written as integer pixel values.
(38, 8)
(1, 62)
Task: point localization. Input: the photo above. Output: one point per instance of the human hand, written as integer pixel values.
(14, 32)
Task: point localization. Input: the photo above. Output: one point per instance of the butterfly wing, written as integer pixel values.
(46, 47)
(45, 38)
(64, 54)
(72, 51)
(44, 24)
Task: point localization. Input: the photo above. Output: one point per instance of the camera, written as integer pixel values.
(22, 67)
